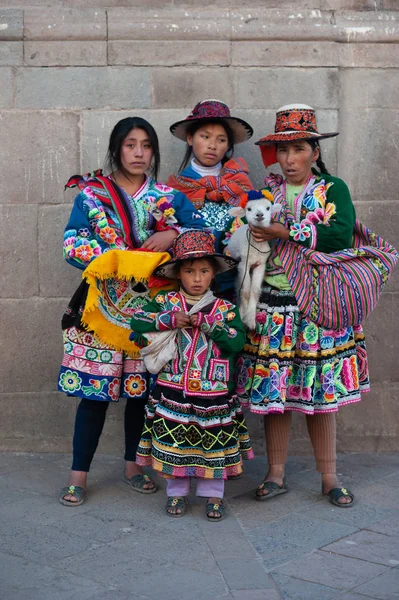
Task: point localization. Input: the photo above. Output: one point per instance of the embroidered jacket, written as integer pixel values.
(100, 222)
(204, 363)
(323, 218)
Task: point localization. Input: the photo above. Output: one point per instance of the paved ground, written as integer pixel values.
(119, 545)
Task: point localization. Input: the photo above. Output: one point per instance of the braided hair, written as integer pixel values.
(319, 162)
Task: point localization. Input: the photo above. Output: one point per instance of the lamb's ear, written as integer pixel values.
(237, 211)
(276, 208)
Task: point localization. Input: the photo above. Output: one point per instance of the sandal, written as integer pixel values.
(176, 503)
(74, 490)
(273, 489)
(137, 483)
(336, 493)
(215, 507)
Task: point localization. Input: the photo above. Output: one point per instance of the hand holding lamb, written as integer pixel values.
(258, 210)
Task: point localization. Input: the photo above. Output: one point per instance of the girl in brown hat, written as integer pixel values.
(290, 362)
(194, 426)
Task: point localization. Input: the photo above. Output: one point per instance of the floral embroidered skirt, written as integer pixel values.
(193, 436)
(290, 363)
(94, 370)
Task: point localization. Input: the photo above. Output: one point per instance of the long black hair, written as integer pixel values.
(193, 127)
(118, 136)
(319, 162)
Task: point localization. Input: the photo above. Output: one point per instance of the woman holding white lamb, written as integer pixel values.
(290, 363)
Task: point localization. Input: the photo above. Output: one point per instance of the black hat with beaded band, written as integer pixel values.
(213, 110)
(190, 245)
(294, 122)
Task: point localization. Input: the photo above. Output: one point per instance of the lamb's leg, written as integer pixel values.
(256, 286)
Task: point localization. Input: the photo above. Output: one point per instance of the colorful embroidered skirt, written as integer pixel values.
(290, 363)
(193, 436)
(92, 369)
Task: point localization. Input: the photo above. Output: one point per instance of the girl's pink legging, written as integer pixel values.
(206, 488)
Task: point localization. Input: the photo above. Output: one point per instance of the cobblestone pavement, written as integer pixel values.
(119, 545)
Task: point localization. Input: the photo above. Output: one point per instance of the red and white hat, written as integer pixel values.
(190, 245)
(294, 122)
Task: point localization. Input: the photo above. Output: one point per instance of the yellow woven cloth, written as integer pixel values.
(111, 299)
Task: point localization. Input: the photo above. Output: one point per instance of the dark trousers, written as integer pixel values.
(89, 423)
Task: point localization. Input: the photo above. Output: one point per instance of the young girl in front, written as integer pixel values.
(194, 426)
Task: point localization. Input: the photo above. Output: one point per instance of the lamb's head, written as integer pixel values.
(258, 208)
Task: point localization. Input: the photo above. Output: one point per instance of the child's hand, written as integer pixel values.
(181, 319)
(194, 320)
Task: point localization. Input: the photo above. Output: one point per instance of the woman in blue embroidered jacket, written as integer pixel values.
(194, 426)
(125, 211)
(289, 362)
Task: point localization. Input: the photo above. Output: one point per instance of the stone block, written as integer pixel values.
(65, 24)
(390, 4)
(11, 53)
(367, 161)
(36, 422)
(46, 582)
(6, 87)
(46, 154)
(351, 4)
(290, 23)
(97, 127)
(168, 53)
(369, 546)
(57, 278)
(78, 87)
(381, 329)
(268, 87)
(11, 24)
(171, 24)
(369, 88)
(18, 249)
(323, 567)
(298, 589)
(371, 426)
(178, 87)
(31, 334)
(55, 54)
(284, 54)
(369, 56)
(366, 26)
(383, 587)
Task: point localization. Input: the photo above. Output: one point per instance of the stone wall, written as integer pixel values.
(68, 74)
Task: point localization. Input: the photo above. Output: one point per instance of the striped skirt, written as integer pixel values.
(290, 363)
(193, 436)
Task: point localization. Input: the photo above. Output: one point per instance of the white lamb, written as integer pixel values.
(251, 254)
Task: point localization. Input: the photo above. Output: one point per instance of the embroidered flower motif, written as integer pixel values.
(261, 317)
(300, 231)
(311, 333)
(194, 385)
(79, 364)
(230, 316)
(327, 382)
(105, 369)
(114, 389)
(84, 252)
(135, 385)
(70, 381)
(79, 350)
(84, 232)
(108, 234)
